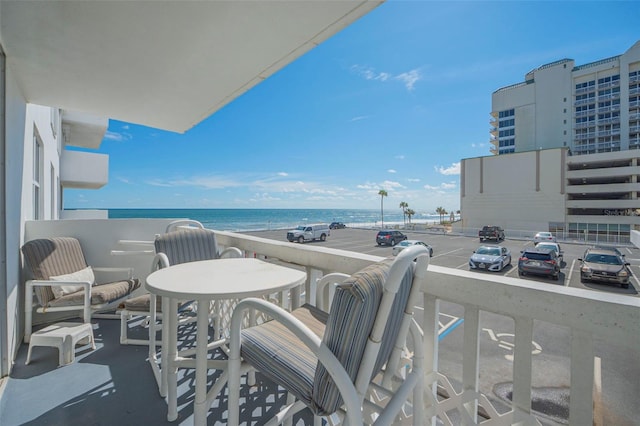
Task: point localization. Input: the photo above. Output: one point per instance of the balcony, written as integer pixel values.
(114, 381)
(85, 170)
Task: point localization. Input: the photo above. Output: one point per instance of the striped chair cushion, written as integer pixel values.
(353, 313)
(187, 245)
(180, 246)
(49, 257)
(281, 356)
(100, 294)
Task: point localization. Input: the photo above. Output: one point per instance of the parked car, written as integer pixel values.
(408, 243)
(491, 233)
(318, 231)
(491, 258)
(539, 261)
(337, 225)
(544, 236)
(604, 265)
(390, 238)
(554, 246)
(612, 248)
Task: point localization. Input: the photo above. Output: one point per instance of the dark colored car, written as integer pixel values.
(539, 261)
(337, 225)
(604, 265)
(390, 238)
(491, 233)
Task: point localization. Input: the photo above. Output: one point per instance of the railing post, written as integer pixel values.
(581, 398)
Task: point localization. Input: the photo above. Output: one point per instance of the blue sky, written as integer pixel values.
(392, 102)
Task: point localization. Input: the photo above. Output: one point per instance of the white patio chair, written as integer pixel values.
(63, 282)
(180, 246)
(332, 362)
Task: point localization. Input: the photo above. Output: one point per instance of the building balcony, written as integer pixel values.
(108, 377)
(583, 136)
(585, 124)
(634, 91)
(83, 170)
(584, 101)
(83, 130)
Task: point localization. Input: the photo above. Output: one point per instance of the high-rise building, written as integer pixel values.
(573, 133)
(590, 108)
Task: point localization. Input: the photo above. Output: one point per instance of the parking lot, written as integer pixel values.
(453, 251)
(551, 344)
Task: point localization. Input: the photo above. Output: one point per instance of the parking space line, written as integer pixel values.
(462, 266)
(448, 252)
(568, 277)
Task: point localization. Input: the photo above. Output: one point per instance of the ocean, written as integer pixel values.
(267, 219)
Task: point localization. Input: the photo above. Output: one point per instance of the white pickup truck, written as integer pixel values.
(318, 231)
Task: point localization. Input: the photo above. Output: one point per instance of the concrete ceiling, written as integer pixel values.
(164, 64)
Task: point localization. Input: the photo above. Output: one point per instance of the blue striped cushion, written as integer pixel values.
(187, 245)
(353, 313)
(281, 356)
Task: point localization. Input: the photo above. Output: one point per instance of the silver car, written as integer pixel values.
(408, 243)
(491, 258)
(552, 246)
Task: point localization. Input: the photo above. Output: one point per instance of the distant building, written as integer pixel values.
(590, 108)
(573, 133)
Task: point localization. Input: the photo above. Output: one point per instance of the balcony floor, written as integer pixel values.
(113, 384)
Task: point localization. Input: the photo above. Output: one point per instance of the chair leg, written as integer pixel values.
(28, 312)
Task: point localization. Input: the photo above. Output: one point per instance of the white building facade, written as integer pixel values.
(591, 108)
(573, 135)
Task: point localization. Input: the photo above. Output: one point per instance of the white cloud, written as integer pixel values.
(360, 117)
(432, 188)
(450, 185)
(283, 174)
(454, 169)
(410, 78)
(400, 157)
(391, 171)
(413, 180)
(478, 145)
(118, 137)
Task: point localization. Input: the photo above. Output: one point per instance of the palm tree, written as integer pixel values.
(410, 213)
(403, 206)
(382, 193)
(441, 211)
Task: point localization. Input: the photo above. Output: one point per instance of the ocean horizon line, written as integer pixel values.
(245, 219)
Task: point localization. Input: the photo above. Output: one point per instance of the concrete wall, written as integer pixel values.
(521, 191)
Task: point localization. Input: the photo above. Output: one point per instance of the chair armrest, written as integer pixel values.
(160, 261)
(325, 287)
(309, 339)
(231, 252)
(32, 283)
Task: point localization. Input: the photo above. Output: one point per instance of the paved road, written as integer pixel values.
(551, 346)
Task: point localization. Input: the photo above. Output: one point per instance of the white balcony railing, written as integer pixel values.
(592, 318)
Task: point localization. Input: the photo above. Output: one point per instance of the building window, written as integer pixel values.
(38, 166)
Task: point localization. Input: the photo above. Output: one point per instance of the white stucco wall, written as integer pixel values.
(15, 113)
(22, 119)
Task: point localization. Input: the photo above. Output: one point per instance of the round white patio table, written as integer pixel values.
(206, 281)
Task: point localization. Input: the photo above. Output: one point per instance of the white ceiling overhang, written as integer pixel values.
(164, 64)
